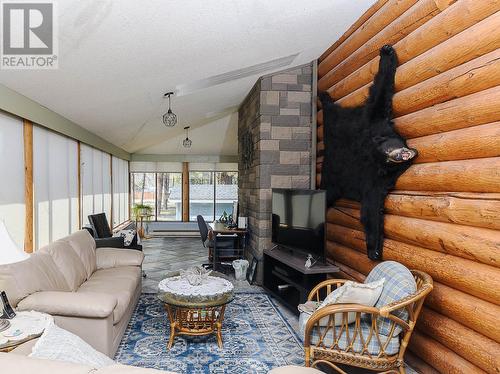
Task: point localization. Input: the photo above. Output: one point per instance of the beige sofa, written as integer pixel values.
(19, 364)
(90, 292)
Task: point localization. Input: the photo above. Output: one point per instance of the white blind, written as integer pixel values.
(55, 179)
(95, 176)
(12, 210)
(155, 167)
(120, 191)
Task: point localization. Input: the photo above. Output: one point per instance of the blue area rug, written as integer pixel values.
(256, 339)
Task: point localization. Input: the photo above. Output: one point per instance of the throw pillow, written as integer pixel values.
(61, 345)
(127, 235)
(349, 293)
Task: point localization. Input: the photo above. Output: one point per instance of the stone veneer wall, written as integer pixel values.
(277, 114)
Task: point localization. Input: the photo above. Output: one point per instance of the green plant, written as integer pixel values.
(142, 210)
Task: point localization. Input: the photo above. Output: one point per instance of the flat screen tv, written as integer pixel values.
(298, 220)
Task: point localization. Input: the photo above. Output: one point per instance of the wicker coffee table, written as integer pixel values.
(195, 310)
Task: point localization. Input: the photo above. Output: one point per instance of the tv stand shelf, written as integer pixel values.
(287, 279)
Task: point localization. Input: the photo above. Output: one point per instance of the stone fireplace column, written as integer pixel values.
(275, 132)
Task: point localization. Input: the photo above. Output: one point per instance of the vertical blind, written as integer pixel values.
(120, 190)
(55, 179)
(95, 173)
(12, 209)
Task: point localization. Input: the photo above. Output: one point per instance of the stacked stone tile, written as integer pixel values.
(277, 114)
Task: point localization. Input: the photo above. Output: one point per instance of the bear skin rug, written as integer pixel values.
(364, 155)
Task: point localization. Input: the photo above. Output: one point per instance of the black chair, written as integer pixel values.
(223, 242)
(104, 237)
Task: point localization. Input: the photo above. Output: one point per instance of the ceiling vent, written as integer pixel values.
(185, 89)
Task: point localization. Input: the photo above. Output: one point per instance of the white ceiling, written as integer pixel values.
(117, 59)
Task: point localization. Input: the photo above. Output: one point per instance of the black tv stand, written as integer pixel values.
(286, 277)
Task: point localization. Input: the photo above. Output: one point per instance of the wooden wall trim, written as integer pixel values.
(79, 176)
(185, 191)
(28, 186)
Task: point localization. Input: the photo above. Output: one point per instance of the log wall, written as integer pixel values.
(444, 215)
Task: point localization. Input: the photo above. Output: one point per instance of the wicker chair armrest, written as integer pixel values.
(325, 284)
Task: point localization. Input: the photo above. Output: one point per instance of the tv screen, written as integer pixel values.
(298, 220)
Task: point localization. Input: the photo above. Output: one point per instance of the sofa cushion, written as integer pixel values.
(120, 282)
(84, 245)
(22, 364)
(37, 273)
(399, 283)
(356, 341)
(116, 257)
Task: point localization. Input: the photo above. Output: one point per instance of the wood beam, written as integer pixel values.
(185, 191)
(28, 185)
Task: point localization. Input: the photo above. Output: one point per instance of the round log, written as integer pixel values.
(373, 25)
(458, 338)
(479, 175)
(473, 243)
(475, 109)
(479, 210)
(474, 76)
(470, 311)
(355, 26)
(441, 358)
(440, 44)
(453, 271)
(409, 21)
(464, 144)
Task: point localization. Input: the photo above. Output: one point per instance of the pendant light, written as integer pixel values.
(187, 142)
(169, 118)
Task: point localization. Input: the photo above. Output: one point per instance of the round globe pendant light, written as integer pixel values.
(187, 142)
(169, 118)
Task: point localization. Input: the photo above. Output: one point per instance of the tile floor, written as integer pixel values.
(166, 254)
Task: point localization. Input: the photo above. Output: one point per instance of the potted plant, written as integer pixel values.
(142, 210)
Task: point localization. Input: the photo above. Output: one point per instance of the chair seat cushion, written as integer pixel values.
(399, 283)
(390, 346)
(120, 282)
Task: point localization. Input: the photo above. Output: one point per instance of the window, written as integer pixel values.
(55, 178)
(95, 176)
(144, 189)
(120, 191)
(169, 196)
(226, 192)
(201, 195)
(12, 205)
(212, 193)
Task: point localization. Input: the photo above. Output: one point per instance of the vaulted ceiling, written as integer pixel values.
(118, 58)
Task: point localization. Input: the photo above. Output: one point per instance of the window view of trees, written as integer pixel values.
(161, 191)
(212, 193)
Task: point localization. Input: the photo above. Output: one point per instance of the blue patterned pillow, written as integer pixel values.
(399, 283)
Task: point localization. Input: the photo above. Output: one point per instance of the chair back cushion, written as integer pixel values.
(37, 273)
(84, 245)
(101, 225)
(202, 226)
(399, 283)
(68, 262)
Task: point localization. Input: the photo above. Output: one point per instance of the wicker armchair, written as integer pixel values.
(361, 343)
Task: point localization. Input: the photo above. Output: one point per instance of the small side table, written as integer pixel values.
(25, 326)
(195, 314)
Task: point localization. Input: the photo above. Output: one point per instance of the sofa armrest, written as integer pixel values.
(70, 304)
(114, 257)
(111, 242)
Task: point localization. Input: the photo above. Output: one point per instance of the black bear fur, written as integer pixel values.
(364, 155)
